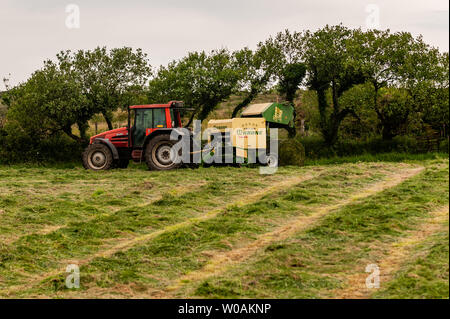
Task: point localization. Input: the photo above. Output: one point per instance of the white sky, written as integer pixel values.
(32, 31)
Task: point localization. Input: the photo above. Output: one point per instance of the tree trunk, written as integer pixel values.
(108, 120)
(387, 133)
(83, 127)
(68, 131)
(330, 135)
(191, 119)
(322, 109)
(302, 127)
(253, 93)
(326, 125)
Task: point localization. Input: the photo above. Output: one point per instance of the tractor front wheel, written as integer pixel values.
(97, 157)
(158, 153)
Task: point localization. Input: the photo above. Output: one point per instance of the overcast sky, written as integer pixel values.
(34, 30)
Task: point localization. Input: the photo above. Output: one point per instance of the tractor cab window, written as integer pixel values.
(147, 119)
(159, 118)
(143, 121)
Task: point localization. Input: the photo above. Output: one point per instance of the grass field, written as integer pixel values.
(225, 232)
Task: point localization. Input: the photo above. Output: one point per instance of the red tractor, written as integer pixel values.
(146, 138)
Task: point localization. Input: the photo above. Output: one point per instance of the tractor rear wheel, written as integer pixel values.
(97, 157)
(158, 153)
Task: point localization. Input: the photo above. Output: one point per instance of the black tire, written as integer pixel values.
(157, 153)
(97, 157)
(122, 163)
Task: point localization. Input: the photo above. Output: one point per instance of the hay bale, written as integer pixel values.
(291, 152)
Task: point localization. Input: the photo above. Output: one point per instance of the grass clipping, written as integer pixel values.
(291, 152)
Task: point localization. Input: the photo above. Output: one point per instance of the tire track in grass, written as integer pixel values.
(345, 177)
(222, 261)
(127, 243)
(396, 255)
(78, 189)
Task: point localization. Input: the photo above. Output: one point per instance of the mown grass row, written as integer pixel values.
(40, 253)
(316, 262)
(393, 157)
(33, 199)
(426, 275)
(154, 265)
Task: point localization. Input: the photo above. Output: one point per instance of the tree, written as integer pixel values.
(49, 103)
(257, 69)
(275, 60)
(287, 51)
(109, 80)
(3, 110)
(398, 60)
(290, 78)
(71, 90)
(431, 97)
(360, 99)
(201, 80)
(327, 56)
(288, 47)
(394, 108)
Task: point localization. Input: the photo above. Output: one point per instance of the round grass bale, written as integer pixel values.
(291, 152)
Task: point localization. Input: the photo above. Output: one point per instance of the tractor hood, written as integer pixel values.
(123, 131)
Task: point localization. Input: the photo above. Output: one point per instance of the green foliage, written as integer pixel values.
(69, 93)
(3, 110)
(288, 48)
(431, 95)
(339, 59)
(444, 146)
(256, 70)
(16, 147)
(402, 61)
(362, 84)
(49, 103)
(291, 152)
(110, 80)
(202, 80)
(393, 107)
(316, 147)
(328, 57)
(360, 99)
(290, 78)
(287, 52)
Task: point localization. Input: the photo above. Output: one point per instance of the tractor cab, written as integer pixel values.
(146, 119)
(146, 138)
